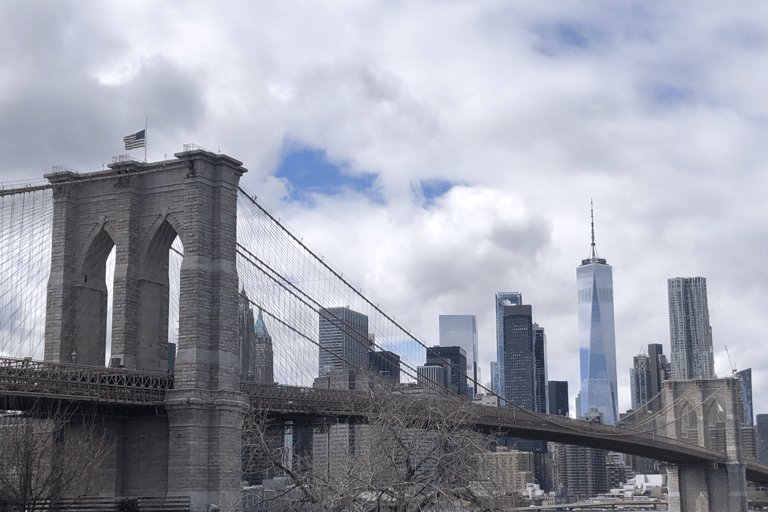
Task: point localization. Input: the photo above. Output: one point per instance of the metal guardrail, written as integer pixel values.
(25, 377)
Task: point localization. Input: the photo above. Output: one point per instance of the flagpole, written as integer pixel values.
(146, 136)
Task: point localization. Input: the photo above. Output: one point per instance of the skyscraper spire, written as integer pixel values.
(593, 254)
(593, 257)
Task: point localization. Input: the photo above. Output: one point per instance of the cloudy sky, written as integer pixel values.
(439, 152)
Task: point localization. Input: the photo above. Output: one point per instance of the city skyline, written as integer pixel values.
(410, 134)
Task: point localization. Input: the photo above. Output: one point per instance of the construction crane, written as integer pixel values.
(733, 366)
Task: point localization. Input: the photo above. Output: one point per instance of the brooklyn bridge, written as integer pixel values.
(100, 272)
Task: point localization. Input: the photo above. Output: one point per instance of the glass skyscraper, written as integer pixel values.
(503, 299)
(344, 341)
(690, 334)
(461, 331)
(597, 336)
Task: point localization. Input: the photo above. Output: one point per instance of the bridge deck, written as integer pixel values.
(43, 380)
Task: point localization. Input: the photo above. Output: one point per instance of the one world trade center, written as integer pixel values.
(597, 336)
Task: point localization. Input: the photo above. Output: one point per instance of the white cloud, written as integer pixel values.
(657, 112)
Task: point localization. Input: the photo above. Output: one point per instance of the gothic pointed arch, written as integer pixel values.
(87, 315)
(689, 423)
(152, 310)
(714, 426)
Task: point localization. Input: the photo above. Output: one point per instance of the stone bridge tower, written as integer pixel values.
(706, 412)
(139, 209)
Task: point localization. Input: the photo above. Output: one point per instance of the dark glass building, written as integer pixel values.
(558, 397)
(385, 364)
(519, 358)
(457, 357)
(540, 369)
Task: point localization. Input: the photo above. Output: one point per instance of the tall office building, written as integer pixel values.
(518, 357)
(344, 341)
(597, 336)
(503, 299)
(461, 331)
(456, 371)
(689, 330)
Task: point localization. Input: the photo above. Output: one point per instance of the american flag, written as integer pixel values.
(135, 140)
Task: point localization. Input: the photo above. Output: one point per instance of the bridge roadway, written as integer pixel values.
(24, 382)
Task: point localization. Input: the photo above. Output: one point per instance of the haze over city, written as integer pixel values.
(438, 152)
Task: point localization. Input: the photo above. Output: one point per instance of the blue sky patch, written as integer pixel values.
(665, 94)
(310, 172)
(431, 189)
(556, 38)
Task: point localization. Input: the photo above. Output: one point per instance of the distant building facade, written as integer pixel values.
(385, 364)
(645, 378)
(461, 331)
(508, 470)
(597, 336)
(541, 395)
(246, 336)
(689, 330)
(344, 341)
(432, 377)
(761, 429)
(496, 378)
(746, 396)
(263, 354)
(254, 344)
(582, 469)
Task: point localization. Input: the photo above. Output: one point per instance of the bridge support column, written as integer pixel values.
(205, 439)
(720, 488)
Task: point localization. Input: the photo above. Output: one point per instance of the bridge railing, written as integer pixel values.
(25, 377)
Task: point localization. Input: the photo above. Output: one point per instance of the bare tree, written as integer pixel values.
(413, 452)
(47, 455)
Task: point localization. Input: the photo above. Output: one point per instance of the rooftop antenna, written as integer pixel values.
(593, 257)
(593, 253)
